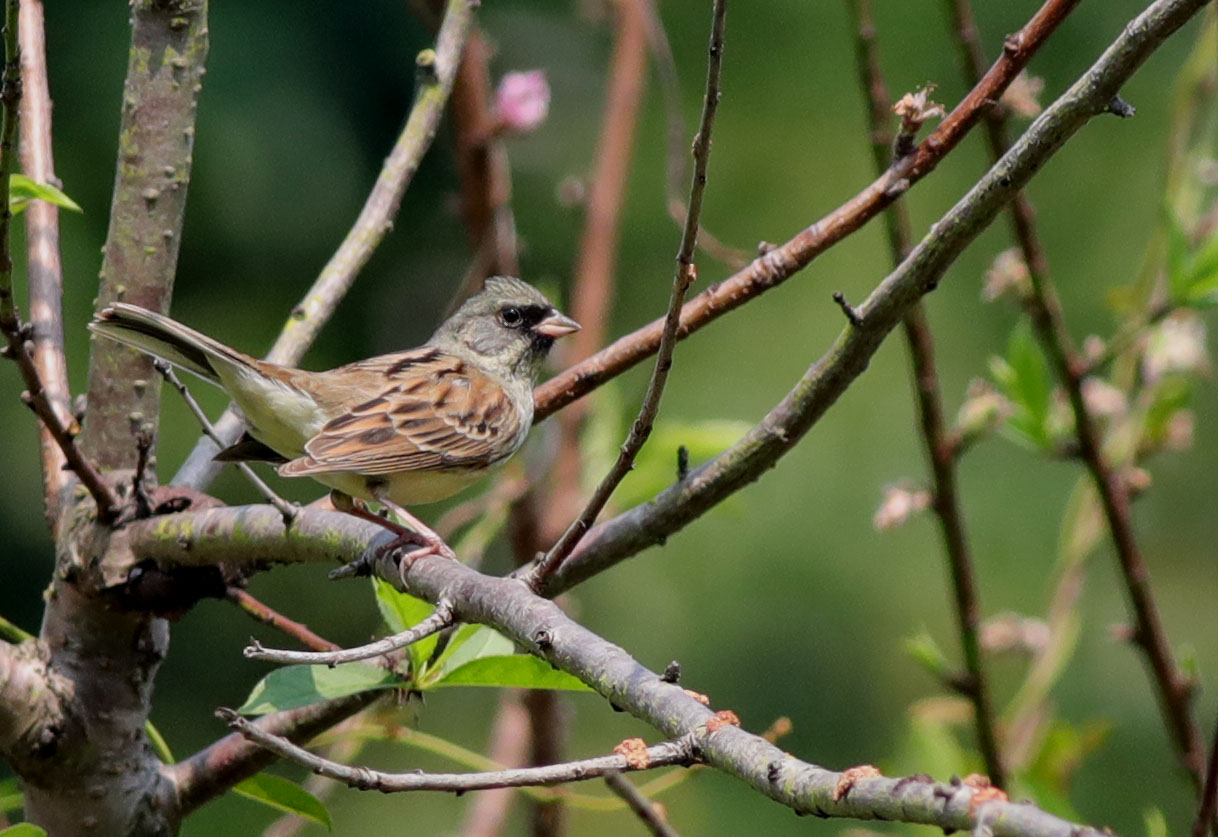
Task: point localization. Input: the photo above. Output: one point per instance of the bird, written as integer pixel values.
(401, 429)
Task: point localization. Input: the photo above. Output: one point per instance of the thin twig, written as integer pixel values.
(780, 263)
(651, 814)
(44, 269)
(1174, 688)
(17, 334)
(288, 510)
(437, 71)
(1208, 808)
(939, 449)
(441, 618)
(668, 754)
(686, 273)
(269, 616)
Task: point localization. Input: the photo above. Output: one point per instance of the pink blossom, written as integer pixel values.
(522, 101)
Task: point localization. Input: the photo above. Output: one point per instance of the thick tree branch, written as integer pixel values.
(542, 628)
(1175, 690)
(686, 273)
(939, 448)
(780, 263)
(156, 143)
(669, 754)
(437, 71)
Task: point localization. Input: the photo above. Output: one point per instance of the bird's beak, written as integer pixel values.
(556, 325)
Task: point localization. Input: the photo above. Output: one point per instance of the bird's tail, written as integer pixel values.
(168, 340)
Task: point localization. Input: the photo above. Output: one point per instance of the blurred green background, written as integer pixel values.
(786, 603)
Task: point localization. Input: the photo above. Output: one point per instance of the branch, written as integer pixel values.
(760, 448)
(668, 754)
(939, 447)
(165, 70)
(44, 270)
(272, 617)
(651, 814)
(542, 628)
(685, 275)
(1174, 687)
(780, 263)
(210, 772)
(509, 744)
(1208, 807)
(436, 71)
(440, 618)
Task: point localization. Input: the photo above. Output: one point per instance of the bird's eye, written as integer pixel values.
(511, 317)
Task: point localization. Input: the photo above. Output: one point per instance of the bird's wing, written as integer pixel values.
(435, 411)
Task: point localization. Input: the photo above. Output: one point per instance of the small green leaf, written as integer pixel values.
(295, 686)
(23, 829)
(522, 671)
(469, 643)
(1178, 257)
(925, 651)
(22, 190)
(1023, 376)
(655, 468)
(402, 612)
(284, 795)
(1156, 823)
(11, 797)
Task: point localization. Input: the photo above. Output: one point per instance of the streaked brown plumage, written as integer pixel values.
(404, 428)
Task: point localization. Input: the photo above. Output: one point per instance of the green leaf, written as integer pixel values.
(1023, 377)
(159, 745)
(469, 643)
(1178, 257)
(11, 797)
(295, 686)
(23, 829)
(655, 468)
(1156, 823)
(925, 651)
(284, 795)
(402, 612)
(517, 670)
(22, 190)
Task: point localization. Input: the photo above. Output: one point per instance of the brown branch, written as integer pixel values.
(1207, 810)
(940, 450)
(269, 616)
(22, 344)
(165, 69)
(686, 273)
(509, 745)
(780, 263)
(44, 270)
(440, 618)
(668, 754)
(543, 629)
(482, 167)
(651, 814)
(437, 70)
(212, 771)
(1174, 688)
